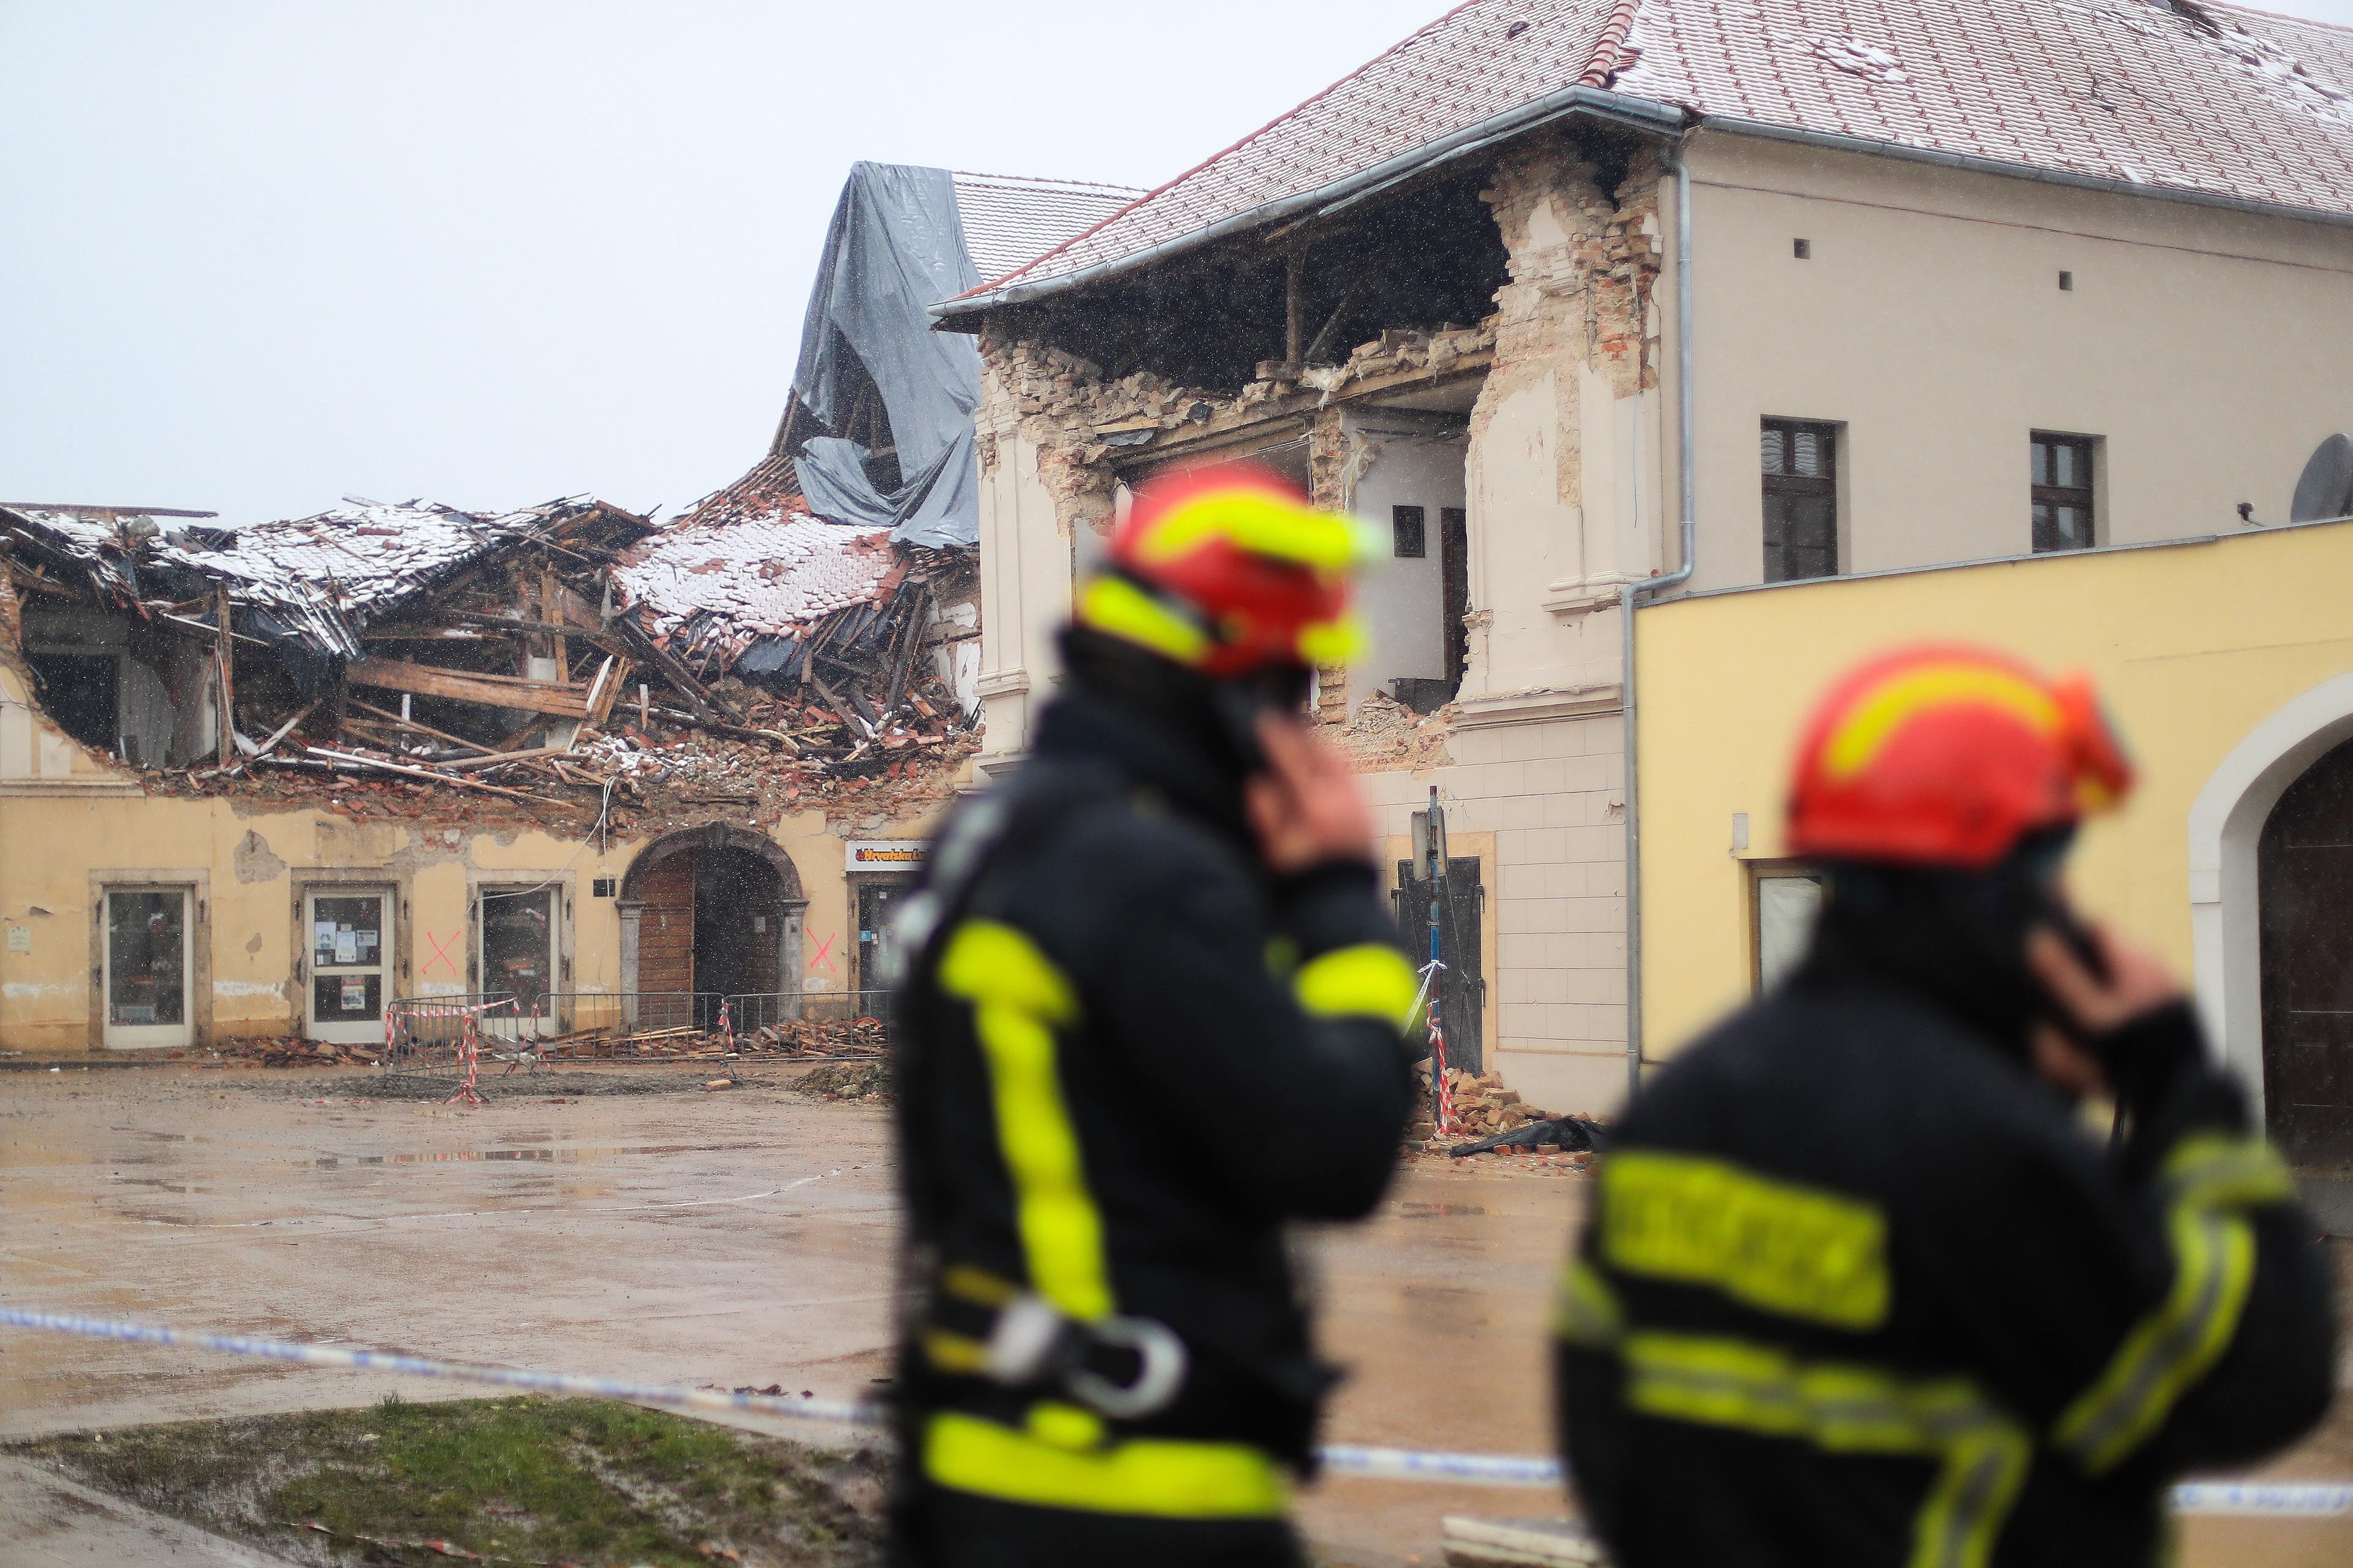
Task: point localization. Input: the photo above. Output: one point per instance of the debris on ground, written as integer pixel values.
(1492, 1119)
(846, 1080)
(1383, 735)
(1475, 1542)
(527, 1481)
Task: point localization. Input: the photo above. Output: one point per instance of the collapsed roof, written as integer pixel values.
(2183, 97)
(493, 652)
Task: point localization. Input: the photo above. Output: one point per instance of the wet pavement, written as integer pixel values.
(744, 1238)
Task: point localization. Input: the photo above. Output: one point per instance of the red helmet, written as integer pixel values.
(1948, 756)
(1230, 570)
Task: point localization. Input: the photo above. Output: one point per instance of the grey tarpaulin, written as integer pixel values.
(895, 247)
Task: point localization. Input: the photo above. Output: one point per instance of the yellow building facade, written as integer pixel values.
(135, 922)
(2227, 661)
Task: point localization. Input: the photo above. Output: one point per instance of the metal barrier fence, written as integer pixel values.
(431, 1037)
(426, 1036)
(603, 1026)
(812, 1017)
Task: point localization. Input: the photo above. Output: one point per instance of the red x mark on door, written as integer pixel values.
(441, 955)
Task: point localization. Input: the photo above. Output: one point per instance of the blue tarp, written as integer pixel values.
(896, 247)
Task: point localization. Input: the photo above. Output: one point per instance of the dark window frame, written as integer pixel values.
(1409, 531)
(2046, 538)
(1788, 483)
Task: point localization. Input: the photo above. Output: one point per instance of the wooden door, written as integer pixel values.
(2305, 874)
(666, 930)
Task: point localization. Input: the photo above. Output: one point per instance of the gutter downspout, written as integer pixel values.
(1630, 595)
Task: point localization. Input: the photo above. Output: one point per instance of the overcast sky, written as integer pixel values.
(259, 256)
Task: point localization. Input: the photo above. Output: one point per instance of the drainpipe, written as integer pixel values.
(1630, 596)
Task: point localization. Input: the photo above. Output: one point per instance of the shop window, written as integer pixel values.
(1801, 510)
(146, 966)
(2061, 488)
(519, 946)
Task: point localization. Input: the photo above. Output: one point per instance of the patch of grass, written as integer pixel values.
(574, 1480)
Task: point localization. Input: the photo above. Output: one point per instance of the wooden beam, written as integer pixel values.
(420, 729)
(706, 703)
(1294, 307)
(559, 699)
(224, 652)
(345, 759)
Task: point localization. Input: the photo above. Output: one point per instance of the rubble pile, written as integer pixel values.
(1384, 733)
(569, 660)
(1491, 1118)
(846, 1080)
(279, 1051)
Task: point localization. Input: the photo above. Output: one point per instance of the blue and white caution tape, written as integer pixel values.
(449, 1371)
(2274, 1500)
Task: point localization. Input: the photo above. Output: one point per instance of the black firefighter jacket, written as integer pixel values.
(1130, 1057)
(1859, 1289)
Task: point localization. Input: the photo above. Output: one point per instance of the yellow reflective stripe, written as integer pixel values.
(1264, 524)
(1118, 607)
(1873, 721)
(1337, 641)
(1018, 997)
(1802, 1251)
(1584, 1310)
(1067, 1426)
(1151, 1477)
(977, 1285)
(1850, 1410)
(2210, 1179)
(958, 1354)
(2217, 1172)
(1370, 980)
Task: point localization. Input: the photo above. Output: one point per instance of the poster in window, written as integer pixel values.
(355, 994)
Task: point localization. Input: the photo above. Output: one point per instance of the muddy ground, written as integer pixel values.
(738, 1238)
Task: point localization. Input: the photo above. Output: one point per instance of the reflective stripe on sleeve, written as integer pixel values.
(1019, 999)
(1982, 1452)
(1370, 980)
(1147, 1476)
(2209, 1182)
(1802, 1251)
(1586, 1311)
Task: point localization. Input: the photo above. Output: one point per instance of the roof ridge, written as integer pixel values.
(1609, 48)
(2234, 7)
(1044, 180)
(1236, 145)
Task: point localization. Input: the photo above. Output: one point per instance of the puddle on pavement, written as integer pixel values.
(1441, 1211)
(544, 1156)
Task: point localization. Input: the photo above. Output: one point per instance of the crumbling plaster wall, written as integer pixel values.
(1565, 467)
(1565, 437)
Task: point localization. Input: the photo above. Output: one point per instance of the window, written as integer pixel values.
(518, 956)
(1412, 542)
(1786, 904)
(146, 967)
(1800, 463)
(2063, 492)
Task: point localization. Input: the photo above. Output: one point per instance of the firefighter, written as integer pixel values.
(1859, 1285)
(1153, 1012)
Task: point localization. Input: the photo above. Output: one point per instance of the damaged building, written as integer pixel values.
(1587, 302)
(638, 781)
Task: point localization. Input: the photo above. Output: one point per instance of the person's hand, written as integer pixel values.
(2138, 981)
(1307, 807)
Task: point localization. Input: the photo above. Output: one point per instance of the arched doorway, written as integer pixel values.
(712, 912)
(2305, 878)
